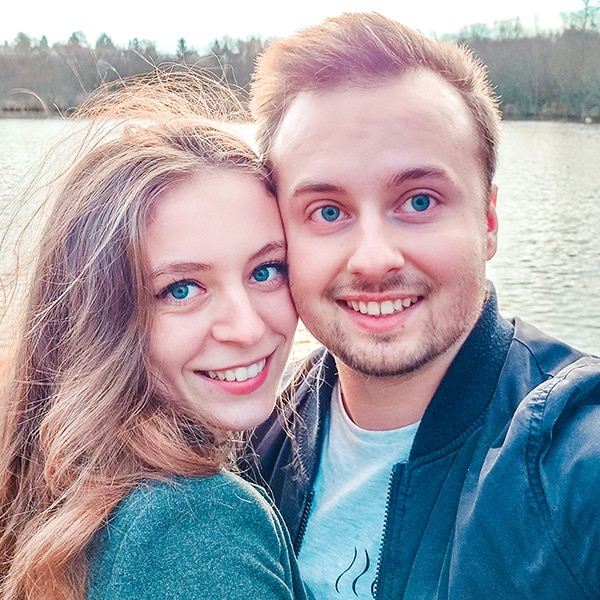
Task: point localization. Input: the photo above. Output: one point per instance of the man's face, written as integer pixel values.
(388, 220)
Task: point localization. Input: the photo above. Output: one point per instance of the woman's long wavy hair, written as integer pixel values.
(81, 423)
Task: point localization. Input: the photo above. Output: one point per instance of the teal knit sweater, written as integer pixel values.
(216, 538)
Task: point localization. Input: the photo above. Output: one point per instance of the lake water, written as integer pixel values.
(547, 269)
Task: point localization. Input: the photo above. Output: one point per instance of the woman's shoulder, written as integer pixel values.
(180, 500)
(222, 485)
(212, 537)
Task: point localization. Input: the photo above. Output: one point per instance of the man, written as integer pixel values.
(437, 450)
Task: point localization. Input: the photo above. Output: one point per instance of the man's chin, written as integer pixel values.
(390, 357)
(383, 369)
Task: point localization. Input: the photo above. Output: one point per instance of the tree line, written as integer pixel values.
(51, 80)
(553, 75)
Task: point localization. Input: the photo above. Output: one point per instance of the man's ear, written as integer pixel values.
(492, 223)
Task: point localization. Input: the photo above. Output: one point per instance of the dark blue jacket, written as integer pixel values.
(500, 497)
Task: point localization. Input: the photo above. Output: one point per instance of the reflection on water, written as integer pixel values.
(547, 269)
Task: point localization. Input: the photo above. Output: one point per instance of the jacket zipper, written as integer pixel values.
(321, 419)
(386, 517)
(303, 522)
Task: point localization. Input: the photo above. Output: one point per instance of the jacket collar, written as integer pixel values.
(467, 389)
(462, 397)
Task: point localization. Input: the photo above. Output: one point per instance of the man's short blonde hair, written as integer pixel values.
(364, 50)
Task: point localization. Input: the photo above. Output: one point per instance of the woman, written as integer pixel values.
(158, 322)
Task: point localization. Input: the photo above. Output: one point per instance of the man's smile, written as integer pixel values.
(387, 307)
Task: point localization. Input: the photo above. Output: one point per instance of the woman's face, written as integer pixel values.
(224, 320)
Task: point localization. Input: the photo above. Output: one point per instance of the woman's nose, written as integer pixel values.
(239, 320)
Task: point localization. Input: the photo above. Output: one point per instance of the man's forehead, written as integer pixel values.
(295, 121)
(418, 96)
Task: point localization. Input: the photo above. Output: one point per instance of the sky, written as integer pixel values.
(200, 22)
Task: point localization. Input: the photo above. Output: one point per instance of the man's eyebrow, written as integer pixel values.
(315, 188)
(394, 181)
(416, 173)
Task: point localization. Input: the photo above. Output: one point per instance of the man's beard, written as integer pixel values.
(384, 354)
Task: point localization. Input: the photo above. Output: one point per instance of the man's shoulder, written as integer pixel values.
(552, 445)
(565, 409)
(537, 485)
(549, 354)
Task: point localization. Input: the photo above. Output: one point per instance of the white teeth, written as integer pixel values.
(373, 309)
(239, 374)
(387, 307)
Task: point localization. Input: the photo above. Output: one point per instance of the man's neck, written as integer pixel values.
(384, 403)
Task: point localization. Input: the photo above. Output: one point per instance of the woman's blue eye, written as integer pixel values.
(330, 213)
(180, 290)
(269, 271)
(420, 203)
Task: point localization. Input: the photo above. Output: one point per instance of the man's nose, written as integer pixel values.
(376, 248)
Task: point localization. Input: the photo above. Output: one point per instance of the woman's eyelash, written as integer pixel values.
(261, 272)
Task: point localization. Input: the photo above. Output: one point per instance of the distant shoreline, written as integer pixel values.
(566, 118)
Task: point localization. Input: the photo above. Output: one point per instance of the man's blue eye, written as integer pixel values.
(420, 203)
(330, 213)
(266, 272)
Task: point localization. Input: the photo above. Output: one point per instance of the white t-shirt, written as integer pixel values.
(339, 554)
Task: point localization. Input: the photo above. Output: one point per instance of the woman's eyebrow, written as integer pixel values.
(275, 246)
(180, 267)
(193, 266)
